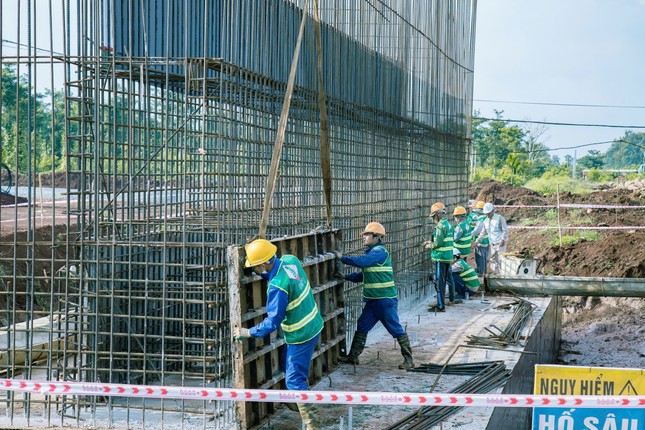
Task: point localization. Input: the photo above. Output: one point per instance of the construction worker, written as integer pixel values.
(473, 216)
(465, 279)
(494, 225)
(290, 305)
(441, 248)
(463, 236)
(380, 295)
(481, 247)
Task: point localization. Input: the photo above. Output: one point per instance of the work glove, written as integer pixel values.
(338, 254)
(339, 275)
(243, 333)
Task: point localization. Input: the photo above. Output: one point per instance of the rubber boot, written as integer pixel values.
(358, 344)
(406, 351)
(309, 415)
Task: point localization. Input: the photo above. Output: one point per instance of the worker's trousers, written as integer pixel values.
(461, 289)
(481, 259)
(298, 363)
(443, 276)
(495, 259)
(383, 310)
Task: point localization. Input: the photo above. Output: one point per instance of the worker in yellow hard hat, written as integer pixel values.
(463, 234)
(380, 295)
(473, 215)
(441, 247)
(290, 305)
(481, 246)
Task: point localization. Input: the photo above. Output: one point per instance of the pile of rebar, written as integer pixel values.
(490, 377)
(512, 333)
(465, 369)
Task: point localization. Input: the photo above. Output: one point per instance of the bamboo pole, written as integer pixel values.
(282, 125)
(325, 152)
(559, 224)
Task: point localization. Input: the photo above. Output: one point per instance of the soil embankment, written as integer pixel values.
(596, 331)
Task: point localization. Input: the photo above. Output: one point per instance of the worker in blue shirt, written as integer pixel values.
(290, 305)
(379, 295)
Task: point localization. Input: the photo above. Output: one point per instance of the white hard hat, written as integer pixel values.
(488, 208)
(455, 252)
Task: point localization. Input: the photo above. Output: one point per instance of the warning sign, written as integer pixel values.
(588, 381)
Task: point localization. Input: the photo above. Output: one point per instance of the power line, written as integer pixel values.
(569, 124)
(526, 151)
(560, 104)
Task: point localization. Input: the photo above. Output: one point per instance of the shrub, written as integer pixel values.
(577, 236)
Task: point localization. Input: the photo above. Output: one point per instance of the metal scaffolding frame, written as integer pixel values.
(140, 134)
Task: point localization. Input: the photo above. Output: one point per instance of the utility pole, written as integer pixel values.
(574, 164)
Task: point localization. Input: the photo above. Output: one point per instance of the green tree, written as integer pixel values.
(518, 151)
(32, 125)
(626, 152)
(593, 160)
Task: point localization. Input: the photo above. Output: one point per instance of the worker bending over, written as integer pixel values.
(464, 277)
(380, 295)
(495, 227)
(291, 305)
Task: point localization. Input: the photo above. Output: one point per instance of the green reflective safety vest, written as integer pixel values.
(464, 242)
(302, 321)
(473, 219)
(484, 241)
(444, 239)
(469, 275)
(378, 281)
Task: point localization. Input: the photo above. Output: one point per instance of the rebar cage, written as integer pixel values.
(139, 135)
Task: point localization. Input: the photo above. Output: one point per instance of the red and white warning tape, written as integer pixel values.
(573, 205)
(324, 397)
(573, 227)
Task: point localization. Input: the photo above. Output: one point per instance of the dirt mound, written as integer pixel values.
(8, 199)
(617, 254)
(501, 193)
(614, 196)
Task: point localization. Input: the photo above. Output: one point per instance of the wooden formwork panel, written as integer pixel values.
(257, 363)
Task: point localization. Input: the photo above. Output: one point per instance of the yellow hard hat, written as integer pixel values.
(259, 251)
(459, 210)
(480, 204)
(375, 228)
(436, 208)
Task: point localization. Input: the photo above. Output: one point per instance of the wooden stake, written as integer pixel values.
(282, 125)
(559, 224)
(325, 152)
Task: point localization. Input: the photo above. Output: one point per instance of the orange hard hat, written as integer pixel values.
(459, 210)
(374, 228)
(480, 204)
(258, 252)
(436, 208)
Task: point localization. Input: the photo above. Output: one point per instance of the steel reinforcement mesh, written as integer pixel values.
(139, 136)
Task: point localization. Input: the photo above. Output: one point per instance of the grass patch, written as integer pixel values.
(571, 239)
(549, 186)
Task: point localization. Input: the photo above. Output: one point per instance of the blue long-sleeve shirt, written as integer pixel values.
(372, 257)
(277, 301)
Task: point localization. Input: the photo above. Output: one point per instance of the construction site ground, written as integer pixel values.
(435, 337)
(596, 331)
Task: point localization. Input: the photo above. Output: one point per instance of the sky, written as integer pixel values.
(583, 52)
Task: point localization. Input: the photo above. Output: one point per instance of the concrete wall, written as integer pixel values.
(545, 342)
